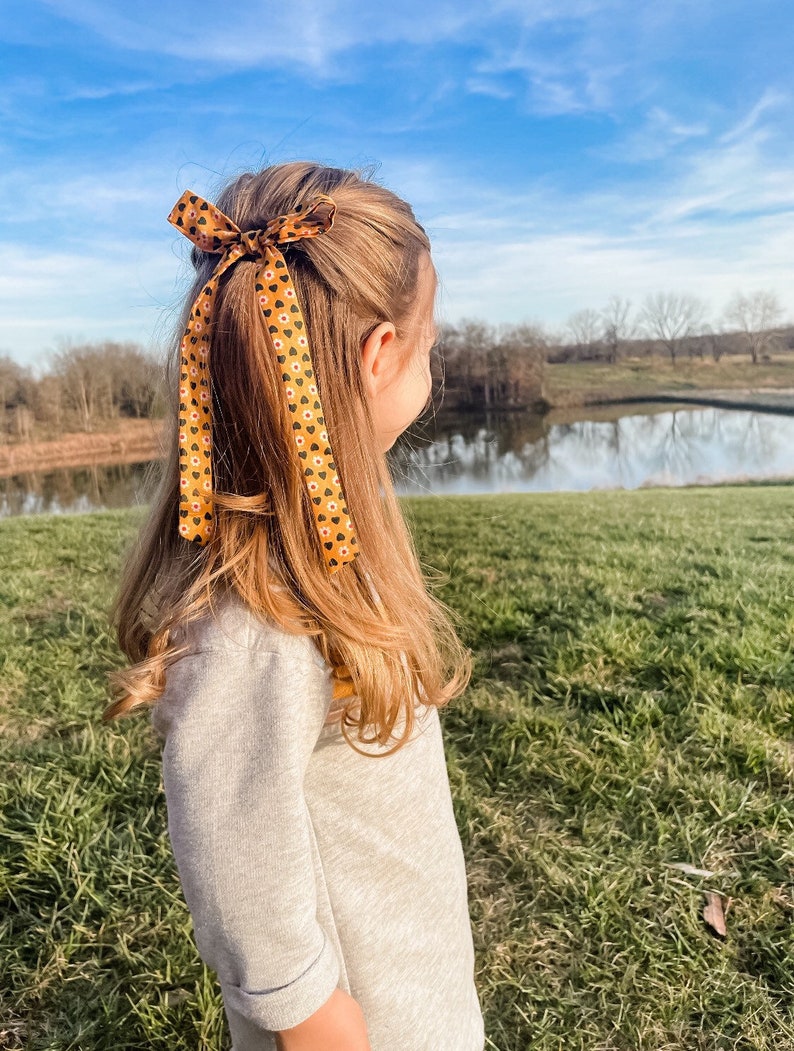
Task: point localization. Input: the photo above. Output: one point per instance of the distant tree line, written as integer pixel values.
(479, 366)
(85, 387)
(676, 324)
(491, 366)
(88, 386)
(503, 367)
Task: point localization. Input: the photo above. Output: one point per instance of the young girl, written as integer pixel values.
(275, 614)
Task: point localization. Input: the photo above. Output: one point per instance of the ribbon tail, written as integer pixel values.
(195, 431)
(287, 330)
(196, 505)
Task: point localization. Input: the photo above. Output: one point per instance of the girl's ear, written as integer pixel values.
(377, 357)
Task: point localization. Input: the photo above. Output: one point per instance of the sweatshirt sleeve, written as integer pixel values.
(239, 729)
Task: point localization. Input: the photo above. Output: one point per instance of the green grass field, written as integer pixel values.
(631, 709)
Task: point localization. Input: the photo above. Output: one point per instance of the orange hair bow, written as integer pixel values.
(212, 231)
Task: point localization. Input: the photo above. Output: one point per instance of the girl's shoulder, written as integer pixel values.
(233, 664)
(233, 628)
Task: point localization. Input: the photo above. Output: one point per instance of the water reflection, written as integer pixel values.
(70, 490)
(667, 447)
(589, 449)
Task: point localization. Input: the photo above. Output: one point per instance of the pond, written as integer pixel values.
(518, 452)
(612, 448)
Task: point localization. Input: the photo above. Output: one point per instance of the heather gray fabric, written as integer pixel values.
(304, 865)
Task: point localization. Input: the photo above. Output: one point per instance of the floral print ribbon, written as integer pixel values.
(212, 231)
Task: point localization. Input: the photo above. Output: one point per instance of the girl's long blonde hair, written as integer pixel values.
(388, 639)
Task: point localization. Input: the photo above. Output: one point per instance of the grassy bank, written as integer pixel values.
(584, 383)
(631, 710)
(122, 441)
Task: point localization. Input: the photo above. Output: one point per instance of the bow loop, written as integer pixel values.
(303, 222)
(202, 223)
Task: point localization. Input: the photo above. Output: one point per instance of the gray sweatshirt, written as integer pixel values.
(304, 865)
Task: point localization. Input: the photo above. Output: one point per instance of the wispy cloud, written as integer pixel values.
(107, 91)
(550, 86)
(100, 293)
(745, 173)
(481, 85)
(81, 205)
(722, 219)
(658, 135)
(547, 277)
(772, 99)
(306, 34)
(573, 57)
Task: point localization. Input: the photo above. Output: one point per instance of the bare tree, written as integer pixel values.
(479, 340)
(137, 380)
(755, 316)
(671, 318)
(22, 421)
(522, 351)
(712, 338)
(74, 367)
(100, 381)
(48, 401)
(616, 326)
(16, 390)
(488, 368)
(86, 376)
(466, 349)
(584, 328)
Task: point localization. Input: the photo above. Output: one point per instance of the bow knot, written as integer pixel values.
(211, 231)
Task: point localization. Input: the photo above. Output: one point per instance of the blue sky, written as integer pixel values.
(557, 151)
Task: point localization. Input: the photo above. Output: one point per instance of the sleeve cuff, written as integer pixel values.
(252, 1011)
